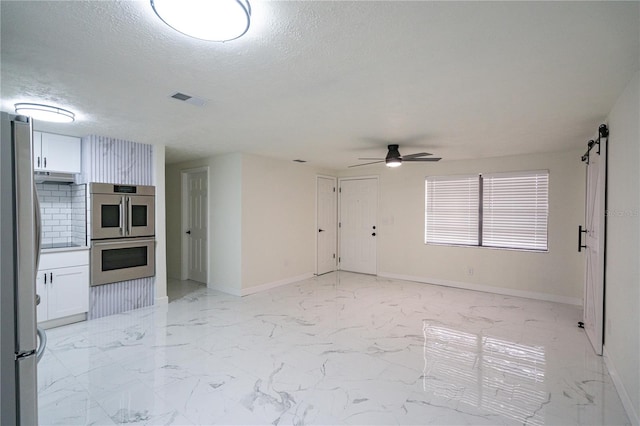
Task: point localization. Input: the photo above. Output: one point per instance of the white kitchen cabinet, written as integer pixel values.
(63, 285)
(56, 153)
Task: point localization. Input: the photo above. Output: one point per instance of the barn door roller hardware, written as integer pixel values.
(603, 132)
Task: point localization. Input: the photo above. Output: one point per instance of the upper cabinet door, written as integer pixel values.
(37, 151)
(60, 153)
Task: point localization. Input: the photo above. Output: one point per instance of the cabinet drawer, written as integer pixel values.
(64, 259)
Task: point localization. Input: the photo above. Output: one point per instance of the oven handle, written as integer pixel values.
(123, 241)
(122, 219)
(129, 213)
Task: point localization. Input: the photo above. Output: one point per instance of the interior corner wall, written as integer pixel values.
(278, 222)
(554, 275)
(160, 220)
(225, 220)
(173, 187)
(622, 279)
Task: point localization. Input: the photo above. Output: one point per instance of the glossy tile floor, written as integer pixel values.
(177, 289)
(337, 349)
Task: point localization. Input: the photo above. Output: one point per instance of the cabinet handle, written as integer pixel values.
(38, 162)
(51, 277)
(45, 162)
(580, 232)
(45, 278)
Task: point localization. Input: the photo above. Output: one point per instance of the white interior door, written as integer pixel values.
(327, 224)
(358, 225)
(196, 232)
(594, 240)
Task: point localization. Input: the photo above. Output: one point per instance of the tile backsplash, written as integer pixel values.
(63, 211)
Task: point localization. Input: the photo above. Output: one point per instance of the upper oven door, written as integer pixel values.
(108, 213)
(140, 216)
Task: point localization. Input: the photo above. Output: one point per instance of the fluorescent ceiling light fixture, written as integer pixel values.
(211, 20)
(45, 112)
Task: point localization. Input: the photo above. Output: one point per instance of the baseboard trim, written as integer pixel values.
(162, 300)
(486, 288)
(57, 322)
(622, 391)
(225, 289)
(274, 284)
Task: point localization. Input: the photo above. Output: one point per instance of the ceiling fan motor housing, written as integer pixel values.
(393, 152)
(393, 156)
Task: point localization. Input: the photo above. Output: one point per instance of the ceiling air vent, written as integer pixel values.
(188, 99)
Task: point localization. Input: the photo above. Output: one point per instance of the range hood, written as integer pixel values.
(44, 177)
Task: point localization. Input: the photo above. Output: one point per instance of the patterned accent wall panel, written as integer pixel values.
(110, 299)
(123, 162)
(116, 161)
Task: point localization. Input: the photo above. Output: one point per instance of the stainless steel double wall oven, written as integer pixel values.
(122, 232)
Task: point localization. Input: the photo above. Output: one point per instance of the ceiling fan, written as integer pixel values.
(394, 159)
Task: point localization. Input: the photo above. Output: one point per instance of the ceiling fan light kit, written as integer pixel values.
(209, 20)
(394, 159)
(393, 162)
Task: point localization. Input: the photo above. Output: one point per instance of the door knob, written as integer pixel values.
(189, 232)
(373, 235)
(320, 230)
(374, 227)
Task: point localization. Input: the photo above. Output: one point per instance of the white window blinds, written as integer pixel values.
(451, 211)
(515, 210)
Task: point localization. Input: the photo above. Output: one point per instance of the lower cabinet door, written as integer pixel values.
(68, 292)
(42, 311)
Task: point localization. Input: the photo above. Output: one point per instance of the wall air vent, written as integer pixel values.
(188, 99)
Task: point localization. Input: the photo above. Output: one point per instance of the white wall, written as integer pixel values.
(160, 220)
(278, 221)
(622, 280)
(225, 213)
(174, 219)
(555, 275)
(261, 218)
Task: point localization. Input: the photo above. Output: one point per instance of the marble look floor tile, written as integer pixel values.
(341, 348)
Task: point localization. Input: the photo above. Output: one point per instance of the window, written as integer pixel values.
(503, 210)
(452, 207)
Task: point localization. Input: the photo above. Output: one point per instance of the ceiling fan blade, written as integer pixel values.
(366, 164)
(420, 159)
(379, 159)
(419, 154)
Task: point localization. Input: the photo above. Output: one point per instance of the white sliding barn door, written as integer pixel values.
(327, 224)
(196, 214)
(595, 246)
(358, 225)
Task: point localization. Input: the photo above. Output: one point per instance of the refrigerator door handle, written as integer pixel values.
(42, 337)
(38, 217)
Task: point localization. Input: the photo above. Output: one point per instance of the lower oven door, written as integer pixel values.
(122, 259)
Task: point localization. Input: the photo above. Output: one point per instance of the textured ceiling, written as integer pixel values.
(329, 81)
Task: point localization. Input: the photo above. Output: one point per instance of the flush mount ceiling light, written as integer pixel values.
(45, 112)
(211, 20)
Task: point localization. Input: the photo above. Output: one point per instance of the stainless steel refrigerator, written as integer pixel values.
(19, 254)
